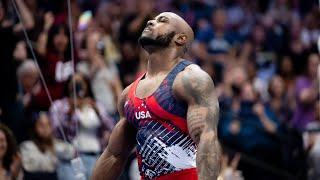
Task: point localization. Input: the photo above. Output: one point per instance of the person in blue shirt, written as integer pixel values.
(251, 127)
(215, 38)
(214, 43)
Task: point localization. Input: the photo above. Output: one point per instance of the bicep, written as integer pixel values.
(197, 89)
(202, 118)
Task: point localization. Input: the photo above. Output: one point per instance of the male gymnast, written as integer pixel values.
(169, 114)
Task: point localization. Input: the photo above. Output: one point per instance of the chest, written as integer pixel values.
(148, 86)
(158, 105)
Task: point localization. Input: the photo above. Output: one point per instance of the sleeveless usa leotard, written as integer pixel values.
(164, 149)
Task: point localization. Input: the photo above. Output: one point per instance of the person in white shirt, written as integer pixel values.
(105, 81)
(86, 124)
(41, 154)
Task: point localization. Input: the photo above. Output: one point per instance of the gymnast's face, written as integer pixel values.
(158, 32)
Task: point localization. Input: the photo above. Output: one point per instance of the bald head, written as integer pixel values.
(181, 25)
(167, 30)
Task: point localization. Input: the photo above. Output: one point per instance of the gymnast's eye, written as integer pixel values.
(162, 19)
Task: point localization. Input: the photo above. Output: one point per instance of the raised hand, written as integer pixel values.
(48, 20)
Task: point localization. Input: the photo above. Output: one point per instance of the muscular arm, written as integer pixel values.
(121, 143)
(196, 88)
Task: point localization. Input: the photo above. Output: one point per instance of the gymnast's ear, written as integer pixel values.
(181, 39)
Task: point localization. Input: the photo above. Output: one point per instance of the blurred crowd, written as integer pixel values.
(261, 55)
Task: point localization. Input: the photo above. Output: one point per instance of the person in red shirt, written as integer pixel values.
(55, 63)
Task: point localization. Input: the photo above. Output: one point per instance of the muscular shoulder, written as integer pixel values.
(122, 99)
(194, 72)
(192, 84)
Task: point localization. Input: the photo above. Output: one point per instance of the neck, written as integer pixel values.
(44, 142)
(61, 55)
(218, 29)
(161, 61)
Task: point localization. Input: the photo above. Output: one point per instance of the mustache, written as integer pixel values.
(160, 41)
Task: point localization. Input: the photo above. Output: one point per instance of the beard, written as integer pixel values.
(162, 41)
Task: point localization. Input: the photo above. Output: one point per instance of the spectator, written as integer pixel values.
(250, 129)
(229, 91)
(109, 50)
(279, 100)
(311, 31)
(280, 10)
(129, 32)
(129, 64)
(296, 49)
(29, 87)
(55, 64)
(41, 155)
(306, 91)
(86, 125)
(10, 159)
(105, 81)
(216, 38)
(11, 111)
(29, 81)
(215, 44)
(17, 124)
(264, 56)
(286, 71)
(134, 23)
(312, 145)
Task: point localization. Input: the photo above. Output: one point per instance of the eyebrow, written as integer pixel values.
(161, 17)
